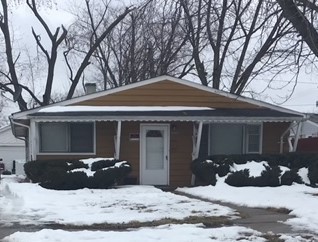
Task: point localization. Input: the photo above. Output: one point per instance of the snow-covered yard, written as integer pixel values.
(178, 233)
(28, 203)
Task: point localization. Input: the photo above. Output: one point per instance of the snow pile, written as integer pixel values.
(29, 203)
(180, 233)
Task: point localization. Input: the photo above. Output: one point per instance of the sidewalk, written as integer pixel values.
(260, 219)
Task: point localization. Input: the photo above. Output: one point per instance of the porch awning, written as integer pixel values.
(161, 113)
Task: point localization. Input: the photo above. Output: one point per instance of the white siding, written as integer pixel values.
(10, 148)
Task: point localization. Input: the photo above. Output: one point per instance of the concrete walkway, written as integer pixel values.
(260, 219)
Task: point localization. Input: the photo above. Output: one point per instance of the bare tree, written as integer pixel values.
(234, 41)
(295, 11)
(150, 42)
(11, 81)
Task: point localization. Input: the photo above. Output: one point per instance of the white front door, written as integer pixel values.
(154, 154)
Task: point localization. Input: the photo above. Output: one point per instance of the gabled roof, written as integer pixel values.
(193, 114)
(24, 115)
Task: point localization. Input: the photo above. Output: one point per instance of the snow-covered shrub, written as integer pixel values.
(76, 174)
(40, 170)
(313, 174)
(66, 181)
(293, 164)
(269, 177)
(223, 167)
(100, 164)
(204, 170)
(77, 164)
(239, 178)
(289, 177)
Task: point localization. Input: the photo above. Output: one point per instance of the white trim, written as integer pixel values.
(198, 140)
(118, 137)
(197, 134)
(65, 153)
(204, 119)
(281, 140)
(155, 80)
(297, 135)
(33, 140)
(143, 127)
(246, 139)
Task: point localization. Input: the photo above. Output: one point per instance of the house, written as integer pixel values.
(308, 136)
(159, 125)
(11, 149)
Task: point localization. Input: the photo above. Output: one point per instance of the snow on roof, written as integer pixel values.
(58, 109)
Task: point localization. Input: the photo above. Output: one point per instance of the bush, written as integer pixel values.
(65, 180)
(60, 174)
(98, 165)
(6, 172)
(289, 177)
(269, 177)
(204, 171)
(239, 178)
(291, 160)
(313, 174)
(37, 171)
(76, 164)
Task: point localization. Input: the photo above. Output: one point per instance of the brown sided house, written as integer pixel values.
(159, 125)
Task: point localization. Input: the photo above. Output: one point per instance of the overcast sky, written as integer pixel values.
(304, 98)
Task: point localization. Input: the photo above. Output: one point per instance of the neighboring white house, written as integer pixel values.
(11, 149)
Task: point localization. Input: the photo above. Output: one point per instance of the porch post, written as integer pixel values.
(299, 126)
(281, 148)
(197, 133)
(32, 141)
(117, 144)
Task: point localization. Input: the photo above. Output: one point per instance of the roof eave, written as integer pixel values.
(207, 119)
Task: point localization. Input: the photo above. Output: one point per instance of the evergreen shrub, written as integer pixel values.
(313, 174)
(62, 174)
(204, 171)
(239, 178)
(289, 177)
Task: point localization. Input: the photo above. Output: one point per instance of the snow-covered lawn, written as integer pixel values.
(301, 199)
(28, 203)
(178, 233)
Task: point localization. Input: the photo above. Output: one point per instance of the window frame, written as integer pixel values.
(244, 137)
(39, 152)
